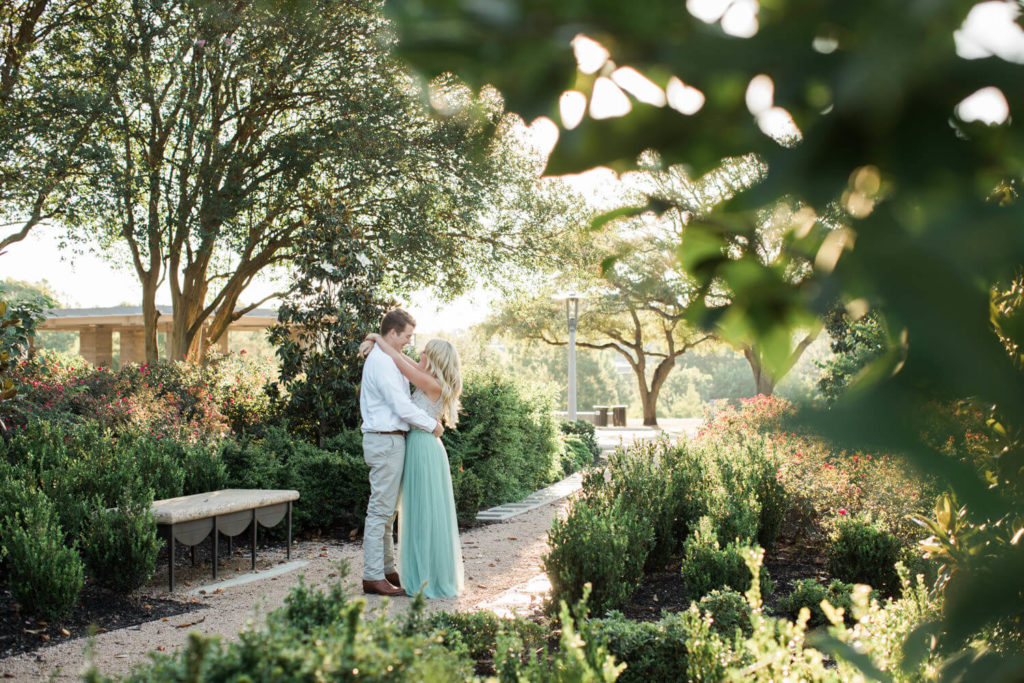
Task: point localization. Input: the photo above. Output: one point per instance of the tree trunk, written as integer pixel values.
(649, 394)
(185, 340)
(150, 315)
(764, 383)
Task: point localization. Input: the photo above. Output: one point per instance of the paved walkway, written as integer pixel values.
(608, 439)
(529, 596)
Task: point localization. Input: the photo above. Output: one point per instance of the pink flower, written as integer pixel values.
(842, 511)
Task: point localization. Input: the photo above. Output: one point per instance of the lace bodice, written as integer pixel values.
(431, 408)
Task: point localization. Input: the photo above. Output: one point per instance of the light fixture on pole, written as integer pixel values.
(572, 314)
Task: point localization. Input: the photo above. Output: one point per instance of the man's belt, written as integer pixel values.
(394, 432)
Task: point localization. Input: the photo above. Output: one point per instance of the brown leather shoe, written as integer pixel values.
(381, 587)
(393, 579)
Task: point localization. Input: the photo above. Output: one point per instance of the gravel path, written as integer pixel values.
(499, 558)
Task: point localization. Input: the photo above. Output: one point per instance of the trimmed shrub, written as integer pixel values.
(468, 495)
(334, 483)
(45, 576)
(809, 593)
(864, 551)
(316, 636)
(156, 463)
(120, 545)
(250, 465)
(707, 565)
(636, 480)
(729, 612)
(204, 469)
(652, 651)
(575, 454)
(578, 657)
(478, 632)
(16, 495)
(587, 434)
(603, 546)
(507, 436)
(736, 514)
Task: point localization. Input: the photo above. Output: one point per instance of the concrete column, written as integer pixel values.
(96, 344)
(222, 343)
(133, 345)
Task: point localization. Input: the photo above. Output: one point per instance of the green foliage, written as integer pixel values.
(864, 551)
(334, 483)
(250, 465)
(17, 325)
(315, 636)
(638, 480)
(922, 182)
(204, 469)
(120, 545)
(469, 493)
(651, 651)
(855, 344)
(507, 436)
(580, 657)
(894, 637)
(12, 291)
(586, 433)
(729, 612)
(576, 454)
(334, 303)
(601, 546)
(479, 632)
(810, 481)
(809, 593)
(76, 465)
(707, 565)
(44, 575)
(636, 309)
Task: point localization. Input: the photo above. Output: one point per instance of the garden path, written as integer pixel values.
(503, 572)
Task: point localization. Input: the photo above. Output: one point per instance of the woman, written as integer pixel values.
(430, 553)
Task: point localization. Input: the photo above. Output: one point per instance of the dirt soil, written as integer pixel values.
(498, 557)
(663, 591)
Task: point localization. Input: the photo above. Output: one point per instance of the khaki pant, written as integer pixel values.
(385, 454)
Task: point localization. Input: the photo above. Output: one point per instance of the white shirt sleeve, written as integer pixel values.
(396, 393)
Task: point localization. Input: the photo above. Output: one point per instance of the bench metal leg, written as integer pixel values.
(254, 538)
(192, 552)
(170, 556)
(215, 547)
(288, 551)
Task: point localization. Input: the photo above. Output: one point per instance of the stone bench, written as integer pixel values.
(189, 519)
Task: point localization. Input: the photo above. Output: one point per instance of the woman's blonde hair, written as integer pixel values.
(443, 363)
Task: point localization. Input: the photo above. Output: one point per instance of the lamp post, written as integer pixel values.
(572, 313)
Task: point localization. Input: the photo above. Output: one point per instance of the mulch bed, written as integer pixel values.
(664, 591)
(97, 609)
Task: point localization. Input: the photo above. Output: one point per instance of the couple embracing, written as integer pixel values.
(408, 463)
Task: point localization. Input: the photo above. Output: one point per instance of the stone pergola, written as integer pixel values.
(96, 327)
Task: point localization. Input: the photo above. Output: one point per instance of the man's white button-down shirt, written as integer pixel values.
(384, 400)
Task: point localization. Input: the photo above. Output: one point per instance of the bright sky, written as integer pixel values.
(85, 280)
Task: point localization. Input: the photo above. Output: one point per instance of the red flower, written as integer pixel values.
(842, 511)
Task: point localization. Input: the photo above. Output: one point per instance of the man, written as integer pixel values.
(387, 411)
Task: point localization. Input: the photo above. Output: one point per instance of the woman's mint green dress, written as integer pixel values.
(430, 552)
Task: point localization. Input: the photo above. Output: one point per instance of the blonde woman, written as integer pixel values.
(430, 553)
